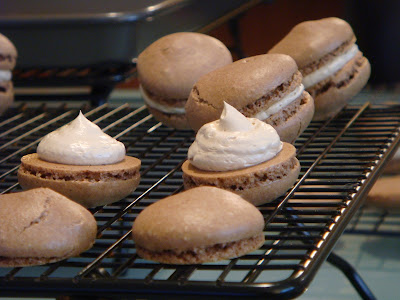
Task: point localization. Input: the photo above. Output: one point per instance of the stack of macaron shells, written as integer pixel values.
(83, 163)
(333, 68)
(168, 68)
(41, 226)
(267, 87)
(251, 162)
(203, 224)
(8, 59)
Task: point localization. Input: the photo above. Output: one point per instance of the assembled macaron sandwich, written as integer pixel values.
(267, 87)
(333, 68)
(168, 68)
(241, 155)
(83, 163)
(8, 59)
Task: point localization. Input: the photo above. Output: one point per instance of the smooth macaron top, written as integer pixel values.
(311, 40)
(172, 64)
(199, 217)
(244, 81)
(8, 53)
(42, 223)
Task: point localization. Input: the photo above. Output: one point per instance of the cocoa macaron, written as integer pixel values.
(8, 58)
(257, 184)
(201, 225)
(168, 68)
(88, 185)
(83, 163)
(385, 193)
(333, 68)
(267, 87)
(41, 226)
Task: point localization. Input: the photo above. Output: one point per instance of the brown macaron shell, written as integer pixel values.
(178, 121)
(385, 193)
(195, 220)
(41, 226)
(257, 184)
(172, 64)
(8, 54)
(293, 119)
(310, 41)
(8, 59)
(250, 85)
(88, 185)
(6, 95)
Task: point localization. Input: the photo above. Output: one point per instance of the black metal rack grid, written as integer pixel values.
(340, 159)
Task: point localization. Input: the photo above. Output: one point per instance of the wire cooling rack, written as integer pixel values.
(340, 160)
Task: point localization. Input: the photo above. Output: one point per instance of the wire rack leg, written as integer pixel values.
(352, 275)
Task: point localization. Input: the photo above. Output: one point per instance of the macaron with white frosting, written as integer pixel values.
(8, 59)
(267, 87)
(241, 155)
(334, 69)
(83, 163)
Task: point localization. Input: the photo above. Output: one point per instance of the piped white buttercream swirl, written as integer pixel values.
(80, 142)
(330, 68)
(233, 142)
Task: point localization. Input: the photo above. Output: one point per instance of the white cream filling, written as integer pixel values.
(233, 142)
(330, 68)
(164, 108)
(5, 75)
(80, 142)
(262, 115)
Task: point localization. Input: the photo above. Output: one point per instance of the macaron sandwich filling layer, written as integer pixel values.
(277, 100)
(174, 106)
(330, 67)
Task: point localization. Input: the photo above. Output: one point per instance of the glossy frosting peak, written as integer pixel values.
(233, 142)
(80, 142)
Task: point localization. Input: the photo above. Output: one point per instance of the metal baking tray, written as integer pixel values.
(56, 33)
(340, 160)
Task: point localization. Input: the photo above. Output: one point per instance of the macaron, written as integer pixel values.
(8, 58)
(168, 68)
(89, 185)
(267, 87)
(333, 68)
(200, 225)
(385, 193)
(393, 167)
(257, 184)
(41, 226)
